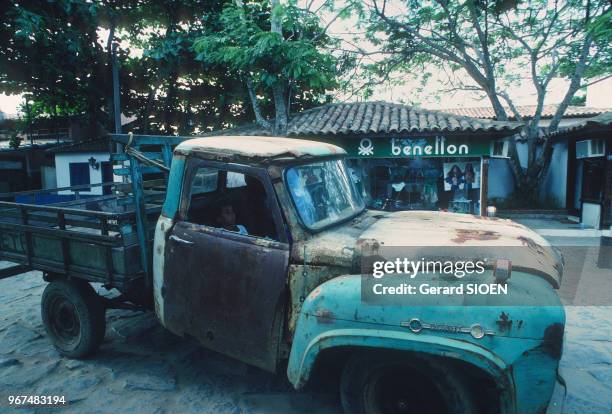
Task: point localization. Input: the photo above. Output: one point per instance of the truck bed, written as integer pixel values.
(107, 238)
(90, 238)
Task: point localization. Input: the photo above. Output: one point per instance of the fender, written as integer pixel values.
(333, 316)
(302, 361)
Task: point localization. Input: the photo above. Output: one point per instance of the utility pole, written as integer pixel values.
(116, 92)
(116, 101)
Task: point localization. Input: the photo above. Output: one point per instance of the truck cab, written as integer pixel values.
(259, 252)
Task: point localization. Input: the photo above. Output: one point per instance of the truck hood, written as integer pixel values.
(424, 234)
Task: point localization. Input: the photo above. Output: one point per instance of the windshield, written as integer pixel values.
(323, 193)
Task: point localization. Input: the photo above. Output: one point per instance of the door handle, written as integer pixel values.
(179, 240)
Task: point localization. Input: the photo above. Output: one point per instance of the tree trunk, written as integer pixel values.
(185, 125)
(259, 118)
(279, 91)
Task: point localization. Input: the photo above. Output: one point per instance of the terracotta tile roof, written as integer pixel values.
(376, 118)
(603, 121)
(385, 117)
(527, 111)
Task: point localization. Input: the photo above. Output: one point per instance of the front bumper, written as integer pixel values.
(555, 406)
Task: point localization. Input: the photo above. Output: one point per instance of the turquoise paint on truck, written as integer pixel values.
(173, 191)
(523, 364)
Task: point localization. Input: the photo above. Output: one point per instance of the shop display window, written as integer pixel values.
(394, 184)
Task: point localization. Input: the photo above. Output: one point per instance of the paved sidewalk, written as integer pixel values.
(587, 358)
(140, 368)
(586, 364)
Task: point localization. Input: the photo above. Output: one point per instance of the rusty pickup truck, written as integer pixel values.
(255, 247)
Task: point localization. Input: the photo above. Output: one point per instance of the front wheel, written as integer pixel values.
(395, 384)
(74, 317)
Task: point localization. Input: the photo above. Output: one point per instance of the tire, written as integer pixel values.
(74, 317)
(400, 384)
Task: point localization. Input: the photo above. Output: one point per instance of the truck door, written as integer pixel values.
(226, 263)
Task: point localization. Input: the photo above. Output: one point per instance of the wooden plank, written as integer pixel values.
(108, 253)
(160, 182)
(72, 211)
(72, 188)
(167, 155)
(50, 221)
(70, 234)
(27, 234)
(92, 275)
(65, 245)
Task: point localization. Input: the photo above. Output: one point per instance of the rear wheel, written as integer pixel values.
(74, 317)
(395, 384)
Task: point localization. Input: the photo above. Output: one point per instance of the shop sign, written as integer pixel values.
(439, 146)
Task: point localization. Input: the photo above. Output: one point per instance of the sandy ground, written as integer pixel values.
(142, 368)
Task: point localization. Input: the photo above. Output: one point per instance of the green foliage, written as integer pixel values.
(57, 54)
(578, 100)
(49, 51)
(492, 41)
(600, 28)
(14, 141)
(245, 45)
(167, 89)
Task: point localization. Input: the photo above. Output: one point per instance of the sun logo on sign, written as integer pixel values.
(365, 147)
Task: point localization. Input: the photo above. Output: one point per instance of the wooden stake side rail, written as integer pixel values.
(106, 238)
(97, 246)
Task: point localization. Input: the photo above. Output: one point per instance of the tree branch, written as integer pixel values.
(259, 118)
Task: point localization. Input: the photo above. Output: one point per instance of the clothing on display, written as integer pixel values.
(419, 183)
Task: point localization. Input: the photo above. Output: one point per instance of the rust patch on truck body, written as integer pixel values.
(464, 235)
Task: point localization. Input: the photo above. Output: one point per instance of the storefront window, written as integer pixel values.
(450, 184)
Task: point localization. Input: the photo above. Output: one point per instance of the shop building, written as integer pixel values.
(553, 192)
(588, 170)
(406, 158)
(84, 163)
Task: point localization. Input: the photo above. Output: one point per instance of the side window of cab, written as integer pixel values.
(235, 200)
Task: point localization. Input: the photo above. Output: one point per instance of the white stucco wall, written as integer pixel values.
(598, 94)
(591, 215)
(48, 177)
(501, 182)
(62, 162)
(553, 190)
(521, 150)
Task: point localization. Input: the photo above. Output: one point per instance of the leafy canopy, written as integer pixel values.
(246, 45)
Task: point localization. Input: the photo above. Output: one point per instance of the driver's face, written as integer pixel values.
(227, 217)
